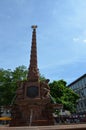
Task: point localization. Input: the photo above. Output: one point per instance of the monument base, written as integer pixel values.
(35, 112)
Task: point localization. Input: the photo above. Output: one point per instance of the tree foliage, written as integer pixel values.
(64, 95)
(8, 83)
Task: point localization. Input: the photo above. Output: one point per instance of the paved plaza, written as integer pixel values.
(55, 127)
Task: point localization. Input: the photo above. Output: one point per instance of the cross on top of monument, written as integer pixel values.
(34, 26)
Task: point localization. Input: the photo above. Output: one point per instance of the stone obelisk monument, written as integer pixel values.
(32, 105)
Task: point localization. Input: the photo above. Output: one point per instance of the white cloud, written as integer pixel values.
(76, 39)
(79, 40)
(84, 40)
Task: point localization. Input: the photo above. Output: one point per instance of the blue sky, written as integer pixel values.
(61, 36)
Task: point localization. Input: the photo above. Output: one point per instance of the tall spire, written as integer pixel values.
(33, 74)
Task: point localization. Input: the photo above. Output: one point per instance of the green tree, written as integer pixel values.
(20, 73)
(5, 86)
(64, 95)
(8, 83)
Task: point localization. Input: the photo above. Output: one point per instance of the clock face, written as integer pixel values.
(32, 91)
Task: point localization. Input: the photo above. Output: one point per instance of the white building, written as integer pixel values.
(79, 86)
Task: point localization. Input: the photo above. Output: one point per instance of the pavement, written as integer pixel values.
(54, 127)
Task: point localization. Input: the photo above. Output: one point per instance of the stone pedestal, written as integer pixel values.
(33, 112)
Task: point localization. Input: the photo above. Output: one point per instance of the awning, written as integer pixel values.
(5, 118)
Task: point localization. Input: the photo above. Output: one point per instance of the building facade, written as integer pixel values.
(79, 86)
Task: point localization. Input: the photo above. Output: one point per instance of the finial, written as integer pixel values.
(34, 26)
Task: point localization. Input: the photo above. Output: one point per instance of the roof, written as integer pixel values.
(77, 80)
